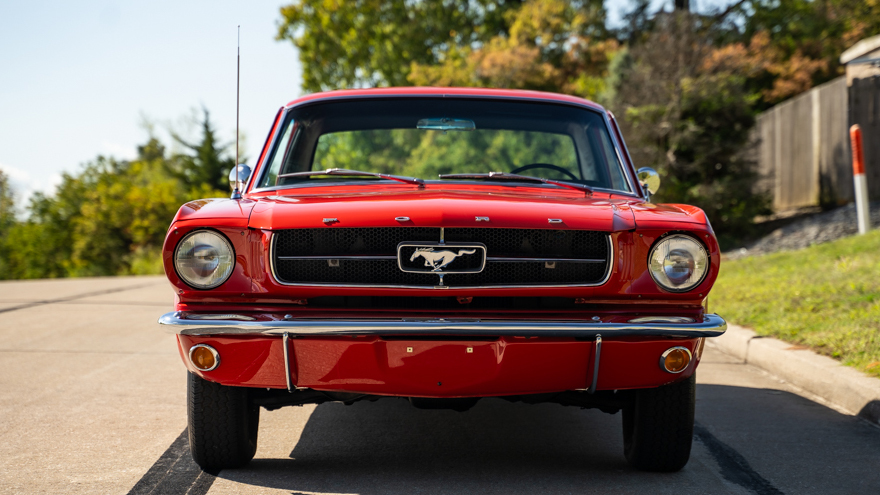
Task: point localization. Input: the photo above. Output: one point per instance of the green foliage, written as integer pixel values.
(7, 218)
(685, 86)
(206, 165)
(426, 154)
(690, 120)
(826, 296)
(373, 42)
(111, 217)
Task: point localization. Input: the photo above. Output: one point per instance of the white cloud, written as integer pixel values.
(119, 151)
(24, 185)
(15, 174)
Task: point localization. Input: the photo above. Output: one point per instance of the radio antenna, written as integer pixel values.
(236, 194)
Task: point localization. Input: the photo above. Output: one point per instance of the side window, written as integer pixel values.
(277, 159)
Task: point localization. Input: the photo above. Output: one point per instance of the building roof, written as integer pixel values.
(861, 48)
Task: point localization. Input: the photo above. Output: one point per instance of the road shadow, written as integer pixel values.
(749, 441)
(497, 447)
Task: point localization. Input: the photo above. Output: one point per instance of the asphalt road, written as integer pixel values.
(92, 401)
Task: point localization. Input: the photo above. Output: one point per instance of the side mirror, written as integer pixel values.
(649, 179)
(244, 173)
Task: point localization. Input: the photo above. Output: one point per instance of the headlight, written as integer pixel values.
(678, 263)
(204, 259)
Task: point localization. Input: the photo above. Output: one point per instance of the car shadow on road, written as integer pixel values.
(497, 447)
(748, 440)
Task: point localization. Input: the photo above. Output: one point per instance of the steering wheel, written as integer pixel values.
(544, 165)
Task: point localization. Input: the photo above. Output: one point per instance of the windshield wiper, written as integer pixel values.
(527, 178)
(355, 173)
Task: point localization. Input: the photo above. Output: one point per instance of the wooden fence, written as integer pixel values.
(802, 145)
(803, 148)
(864, 110)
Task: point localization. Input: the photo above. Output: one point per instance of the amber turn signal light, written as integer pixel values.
(204, 357)
(675, 359)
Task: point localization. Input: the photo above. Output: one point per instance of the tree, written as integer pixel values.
(7, 219)
(686, 85)
(689, 116)
(207, 164)
(7, 204)
(111, 217)
(364, 43)
(551, 45)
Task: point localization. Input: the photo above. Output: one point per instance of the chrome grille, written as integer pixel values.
(368, 257)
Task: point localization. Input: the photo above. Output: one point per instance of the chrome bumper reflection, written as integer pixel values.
(195, 324)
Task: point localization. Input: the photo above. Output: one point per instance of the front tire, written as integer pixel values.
(222, 424)
(658, 428)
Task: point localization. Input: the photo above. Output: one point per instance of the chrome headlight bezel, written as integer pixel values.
(221, 243)
(699, 253)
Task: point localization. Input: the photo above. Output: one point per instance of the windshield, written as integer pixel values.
(429, 137)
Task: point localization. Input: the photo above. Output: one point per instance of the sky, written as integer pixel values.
(80, 79)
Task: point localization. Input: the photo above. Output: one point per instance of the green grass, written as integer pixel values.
(826, 297)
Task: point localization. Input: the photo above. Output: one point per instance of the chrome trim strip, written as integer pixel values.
(618, 146)
(608, 269)
(711, 326)
(497, 259)
(662, 319)
(321, 258)
(542, 260)
(263, 166)
(222, 317)
(596, 364)
(285, 342)
(666, 353)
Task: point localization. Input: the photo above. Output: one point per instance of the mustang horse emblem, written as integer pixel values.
(438, 259)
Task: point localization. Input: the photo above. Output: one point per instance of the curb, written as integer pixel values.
(845, 387)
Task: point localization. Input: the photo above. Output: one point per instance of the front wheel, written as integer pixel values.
(222, 424)
(658, 428)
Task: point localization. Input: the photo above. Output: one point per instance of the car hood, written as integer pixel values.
(442, 208)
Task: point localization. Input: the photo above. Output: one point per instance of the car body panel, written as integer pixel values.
(439, 365)
(439, 368)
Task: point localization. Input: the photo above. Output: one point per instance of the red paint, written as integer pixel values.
(503, 366)
(442, 205)
(495, 367)
(855, 136)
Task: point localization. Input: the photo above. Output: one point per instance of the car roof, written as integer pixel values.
(441, 92)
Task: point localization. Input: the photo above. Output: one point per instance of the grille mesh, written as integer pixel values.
(535, 243)
(516, 243)
(349, 242)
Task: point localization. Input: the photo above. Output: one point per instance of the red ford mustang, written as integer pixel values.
(443, 245)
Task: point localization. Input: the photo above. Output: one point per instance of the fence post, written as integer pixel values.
(859, 180)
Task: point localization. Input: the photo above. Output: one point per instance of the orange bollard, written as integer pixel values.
(859, 180)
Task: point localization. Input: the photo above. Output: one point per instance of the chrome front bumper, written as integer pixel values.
(190, 323)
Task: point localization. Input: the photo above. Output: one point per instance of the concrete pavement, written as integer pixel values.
(92, 401)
